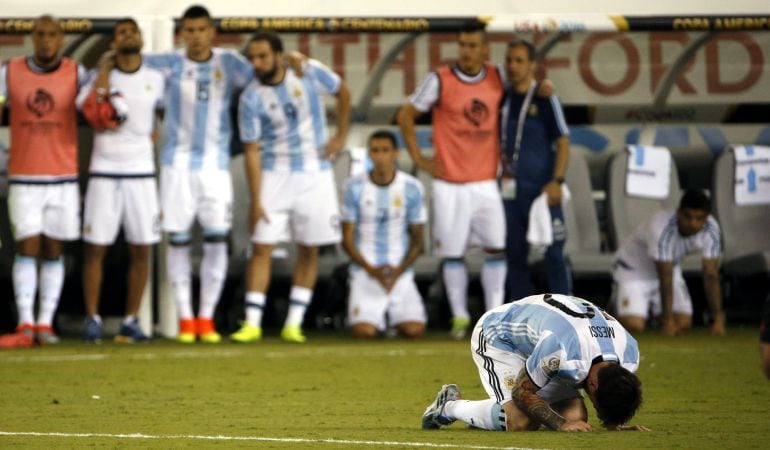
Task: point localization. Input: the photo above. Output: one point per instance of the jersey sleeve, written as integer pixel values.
(89, 79)
(415, 204)
(249, 124)
(557, 126)
(351, 202)
(547, 361)
(426, 94)
(325, 79)
(239, 68)
(659, 239)
(160, 61)
(711, 242)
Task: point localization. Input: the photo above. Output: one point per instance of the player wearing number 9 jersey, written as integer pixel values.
(534, 357)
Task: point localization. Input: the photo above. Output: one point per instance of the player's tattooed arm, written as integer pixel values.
(526, 399)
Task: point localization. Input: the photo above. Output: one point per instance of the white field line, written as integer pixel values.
(257, 439)
(317, 352)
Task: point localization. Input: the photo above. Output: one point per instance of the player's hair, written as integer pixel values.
(276, 44)
(196, 12)
(122, 21)
(480, 31)
(518, 42)
(618, 395)
(384, 134)
(695, 199)
(48, 18)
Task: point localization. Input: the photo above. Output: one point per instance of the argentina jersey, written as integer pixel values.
(382, 215)
(197, 121)
(560, 335)
(288, 119)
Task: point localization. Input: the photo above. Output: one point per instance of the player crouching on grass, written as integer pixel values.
(535, 357)
(382, 231)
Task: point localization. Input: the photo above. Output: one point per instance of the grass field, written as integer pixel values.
(700, 392)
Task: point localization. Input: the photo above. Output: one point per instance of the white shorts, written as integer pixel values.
(113, 201)
(498, 370)
(467, 215)
(641, 298)
(369, 303)
(187, 194)
(301, 207)
(49, 209)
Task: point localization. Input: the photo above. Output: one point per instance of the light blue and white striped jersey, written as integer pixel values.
(198, 124)
(658, 239)
(288, 119)
(561, 336)
(382, 215)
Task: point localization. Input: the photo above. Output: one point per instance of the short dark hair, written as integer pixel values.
(618, 395)
(196, 12)
(531, 51)
(384, 134)
(695, 199)
(276, 44)
(122, 21)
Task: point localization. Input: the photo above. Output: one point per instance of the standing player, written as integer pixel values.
(382, 231)
(195, 177)
(534, 356)
(293, 196)
(648, 274)
(121, 187)
(43, 198)
(468, 210)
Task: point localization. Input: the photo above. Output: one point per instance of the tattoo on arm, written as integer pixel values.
(526, 398)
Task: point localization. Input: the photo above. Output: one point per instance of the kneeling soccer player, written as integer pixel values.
(534, 357)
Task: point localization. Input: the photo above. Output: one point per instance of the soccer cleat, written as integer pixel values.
(207, 332)
(186, 331)
(130, 333)
(27, 329)
(293, 333)
(459, 328)
(46, 335)
(432, 418)
(92, 331)
(248, 333)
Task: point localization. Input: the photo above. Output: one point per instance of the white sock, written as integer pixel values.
(255, 306)
(299, 300)
(493, 280)
(484, 414)
(179, 269)
(127, 320)
(456, 282)
(25, 286)
(213, 275)
(51, 282)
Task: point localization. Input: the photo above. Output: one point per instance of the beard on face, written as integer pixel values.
(267, 75)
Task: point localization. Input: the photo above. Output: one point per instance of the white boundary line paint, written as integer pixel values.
(256, 439)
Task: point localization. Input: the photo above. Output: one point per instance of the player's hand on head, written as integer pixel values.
(296, 61)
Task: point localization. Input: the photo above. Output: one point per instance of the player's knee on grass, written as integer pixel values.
(515, 420)
(633, 324)
(364, 331)
(571, 409)
(411, 330)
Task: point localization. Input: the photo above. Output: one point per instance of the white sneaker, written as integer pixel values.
(433, 419)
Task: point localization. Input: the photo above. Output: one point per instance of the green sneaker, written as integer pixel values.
(248, 333)
(459, 327)
(293, 333)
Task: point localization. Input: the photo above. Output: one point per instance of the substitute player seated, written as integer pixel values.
(382, 231)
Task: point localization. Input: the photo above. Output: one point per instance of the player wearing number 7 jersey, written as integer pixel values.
(535, 356)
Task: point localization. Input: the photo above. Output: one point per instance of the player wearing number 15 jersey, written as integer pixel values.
(534, 356)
